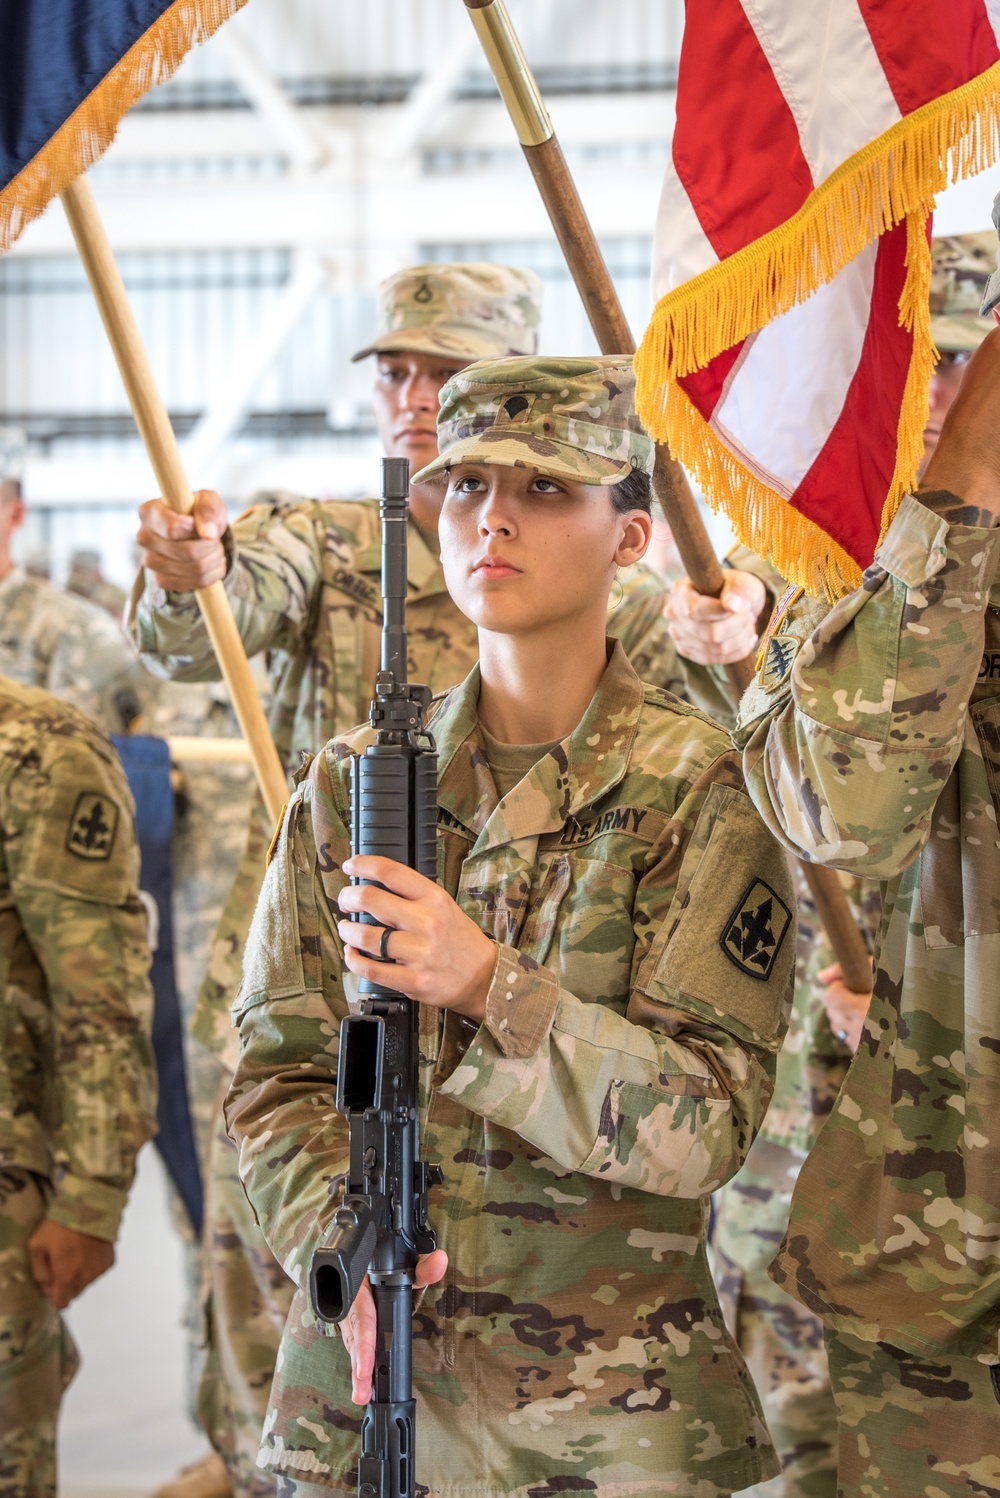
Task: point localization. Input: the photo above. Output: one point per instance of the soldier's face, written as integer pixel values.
(406, 403)
(946, 381)
(521, 552)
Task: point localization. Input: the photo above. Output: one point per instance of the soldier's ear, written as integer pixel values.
(637, 530)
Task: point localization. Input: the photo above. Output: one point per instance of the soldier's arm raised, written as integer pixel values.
(269, 560)
(847, 756)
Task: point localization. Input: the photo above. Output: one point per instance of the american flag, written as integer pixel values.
(788, 357)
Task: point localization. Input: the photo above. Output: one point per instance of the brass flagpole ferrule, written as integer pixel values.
(509, 67)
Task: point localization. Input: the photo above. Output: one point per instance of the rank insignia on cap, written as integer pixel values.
(92, 826)
(753, 935)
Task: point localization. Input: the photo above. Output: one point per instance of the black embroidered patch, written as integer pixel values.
(92, 827)
(753, 935)
(779, 655)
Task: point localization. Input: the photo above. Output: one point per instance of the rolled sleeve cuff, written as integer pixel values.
(87, 1206)
(521, 1004)
(919, 544)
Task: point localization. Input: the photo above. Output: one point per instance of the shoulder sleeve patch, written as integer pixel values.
(753, 935)
(93, 824)
(727, 948)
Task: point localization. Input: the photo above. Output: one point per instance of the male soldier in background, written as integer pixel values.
(781, 1339)
(69, 647)
(77, 1085)
(303, 578)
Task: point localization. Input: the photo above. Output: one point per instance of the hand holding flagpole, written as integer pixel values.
(161, 446)
(543, 153)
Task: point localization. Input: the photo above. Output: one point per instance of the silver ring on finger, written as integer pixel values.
(383, 943)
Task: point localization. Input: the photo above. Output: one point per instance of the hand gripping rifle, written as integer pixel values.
(380, 1227)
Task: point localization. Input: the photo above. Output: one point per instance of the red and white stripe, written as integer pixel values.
(773, 97)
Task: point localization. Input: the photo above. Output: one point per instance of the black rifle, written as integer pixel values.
(380, 1227)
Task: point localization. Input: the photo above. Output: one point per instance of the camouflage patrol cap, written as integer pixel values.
(960, 269)
(565, 418)
(470, 310)
(991, 296)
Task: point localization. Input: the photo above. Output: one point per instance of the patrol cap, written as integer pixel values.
(991, 296)
(566, 418)
(960, 271)
(467, 310)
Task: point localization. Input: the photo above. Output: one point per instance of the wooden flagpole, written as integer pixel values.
(161, 446)
(573, 230)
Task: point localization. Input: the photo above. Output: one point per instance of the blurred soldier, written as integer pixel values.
(781, 1339)
(86, 580)
(77, 1086)
(893, 1238)
(303, 577)
(70, 647)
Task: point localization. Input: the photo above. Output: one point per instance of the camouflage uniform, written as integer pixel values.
(781, 1339)
(304, 584)
(77, 1085)
(72, 649)
(622, 1067)
(867, 755)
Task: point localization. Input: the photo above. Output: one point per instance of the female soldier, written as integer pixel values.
(603, 973)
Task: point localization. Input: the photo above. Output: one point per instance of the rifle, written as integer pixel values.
(380, 1227)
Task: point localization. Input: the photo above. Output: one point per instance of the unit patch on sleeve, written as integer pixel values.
(779, 654)
(753, 935)
(92, 827)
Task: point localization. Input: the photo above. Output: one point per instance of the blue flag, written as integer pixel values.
(69, 70)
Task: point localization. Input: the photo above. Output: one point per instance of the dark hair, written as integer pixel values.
(633, 493)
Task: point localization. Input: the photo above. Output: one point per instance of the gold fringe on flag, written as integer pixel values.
(762, 519)
(892, 178)
(90, 129)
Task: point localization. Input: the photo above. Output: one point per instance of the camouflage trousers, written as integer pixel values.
(913, 1427)
(781, 1341)
(37, 1355)
(247, 1297)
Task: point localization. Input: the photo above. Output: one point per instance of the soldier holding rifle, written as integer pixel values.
(303, 579)
(603, 983)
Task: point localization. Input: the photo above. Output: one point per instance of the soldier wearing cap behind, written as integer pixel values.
(303, 578)
(64, 644)
(782, 1338)
(603, 977)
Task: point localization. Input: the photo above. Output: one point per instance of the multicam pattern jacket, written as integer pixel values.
(645, 947)
(304, 586)
(73, 649)
(77, 1084)
(872, 742)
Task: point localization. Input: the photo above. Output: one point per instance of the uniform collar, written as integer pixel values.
(577, 772)
(423, 563)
